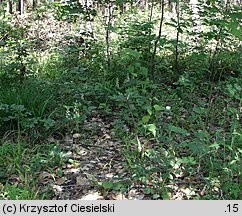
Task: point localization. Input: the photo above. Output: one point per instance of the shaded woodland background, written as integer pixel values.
(120, 99)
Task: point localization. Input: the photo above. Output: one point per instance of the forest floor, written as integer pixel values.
(100, 171)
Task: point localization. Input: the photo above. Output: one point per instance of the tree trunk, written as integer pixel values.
(177, 35)
(10, 6)
(18, 6)
(153, 63)
(108, 24)
(35, 2)
(196, 20)
(150, 20)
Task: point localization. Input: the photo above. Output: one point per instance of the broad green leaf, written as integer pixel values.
(173, 20)
(146, 119)
(117, 186)
(166, 196)
(171, 24)
(200, 110)
(178, 130)
(236, 33)
(107, 185)
(188, 160)
(149, 111)
(180, 30)
(214, 145)
(232, 110)
(156, 196)
(158, 108)
(198, 146)
(148, 191)
(201, 135)
(152, 129)
(236, 15)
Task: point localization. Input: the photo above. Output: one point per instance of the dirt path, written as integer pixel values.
(95, 159)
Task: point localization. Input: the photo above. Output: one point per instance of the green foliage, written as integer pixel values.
(13, 192)
(71, 10)
(26, 107)
(184, 128)
(22, 162)
(128, 68)
(14, 49)
(136, 35)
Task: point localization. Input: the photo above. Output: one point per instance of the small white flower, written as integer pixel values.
(168, 108)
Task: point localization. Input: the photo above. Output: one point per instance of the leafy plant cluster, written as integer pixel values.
(175, 98)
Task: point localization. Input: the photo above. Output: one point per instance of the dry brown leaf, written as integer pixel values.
(45, 178)
(82, 181)
(60, 181)
(117, 196)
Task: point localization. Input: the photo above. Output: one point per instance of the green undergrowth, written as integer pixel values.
(179, 130)
(22, 167)
(190, 133)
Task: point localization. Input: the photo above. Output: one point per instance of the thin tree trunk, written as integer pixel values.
(153, 63)
(88, 24)
(23, 3)
(108, 24)
(196, 20)
(177, 35)
(150, 20)
(18, 6)
(142, 5)
(212, 60)
(147, 5)
(10, 6)
(102, 8)
(35, 2)
(151, 11)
